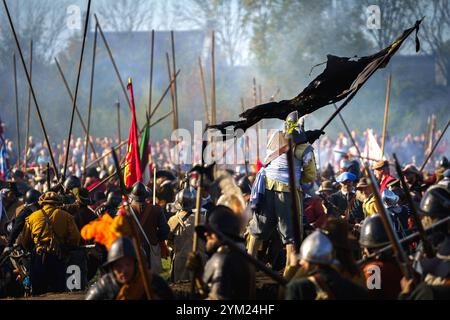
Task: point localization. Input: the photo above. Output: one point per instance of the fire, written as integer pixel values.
(101, 230)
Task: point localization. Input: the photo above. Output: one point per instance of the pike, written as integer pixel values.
(27, 134)
(94, 50)
(399, 253)
(213, 81)
(386, 111)
(205, 98)
(106, 179)
(31, 88)
(69, 92)
(17, 109)
(108, 49)
(86, 23)
(201, 170)
(434, 147)
(255, 102)
(296, 214)
(174, 67)
(119, 136)
(152, 47)
(136, 239)
(48, 176)
(406, 240)
(428, 249)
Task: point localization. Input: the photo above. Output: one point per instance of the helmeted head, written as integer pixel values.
(32, 197)
(72, 182)
(50, 198)
(294, 128)
(122, 260)
(186, 198)
(114, 198)
(443, 163)
(373, 234)
(389, 198)
(139, 192)
(317, 249)
(436, 202)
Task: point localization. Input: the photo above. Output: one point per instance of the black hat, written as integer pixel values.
(92, 172)
(114, 198)
(224, 220)
(120, 248)
(245, 185)
(139, 192)
(373, 234)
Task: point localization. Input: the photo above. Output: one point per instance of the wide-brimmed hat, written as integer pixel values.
(326, 185)
(380, 164)
(363, 183)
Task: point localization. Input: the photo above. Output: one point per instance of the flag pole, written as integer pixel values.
(31, 88)
(76, 90)
(17, 109)
(27, 134)
(86, 144)
(386, 111)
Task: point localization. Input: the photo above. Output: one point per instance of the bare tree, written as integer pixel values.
(226, 18)
(435, 29)
(127, 15)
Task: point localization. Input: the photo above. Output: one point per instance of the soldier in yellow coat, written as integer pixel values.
(49, 234)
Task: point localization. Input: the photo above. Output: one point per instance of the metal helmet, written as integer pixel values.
(114, 198)
(72, 182)
(373, 234)
(389, 198)
(32, 197)
(443, 163)
(120, 248)
(186, 198)
(317, 248)
(245, 185)
(139, 192)
(292, 117)
(436, 202)
(224, 220)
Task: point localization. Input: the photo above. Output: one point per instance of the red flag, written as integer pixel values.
(132, 172)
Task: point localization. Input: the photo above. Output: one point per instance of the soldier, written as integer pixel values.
(113, 201)
(350, 208)
(226, 275)
(153, 222)
(19, 179)
(414, 179)
(11, 206)
(50, 233)
(319, 280)
(181, 233)
(399, 214)
(365, 195)
(31, 205)
(382, 272)
(271, 195)
(382, 173)
(123, 281)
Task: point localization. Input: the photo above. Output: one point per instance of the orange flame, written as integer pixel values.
(101, 230)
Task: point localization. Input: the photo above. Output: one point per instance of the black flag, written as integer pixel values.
(341, 77)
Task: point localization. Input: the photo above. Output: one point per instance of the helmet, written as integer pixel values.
(18, 174)
(186, 198)
(72, 182)
(293, 129)
(224, 220)
(436, 202)
(114, 198)
(165, 191)
(317, 248)
(245, 185)
(92, 172)
(372, 233)
(443, 163)
(31, 197)
(389, 198)
(292, 117)
(139, 192)
(120, 248)
(50, 197)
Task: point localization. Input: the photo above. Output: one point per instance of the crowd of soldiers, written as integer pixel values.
(341, 247)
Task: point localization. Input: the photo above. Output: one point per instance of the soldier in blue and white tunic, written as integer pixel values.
(271, 198)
